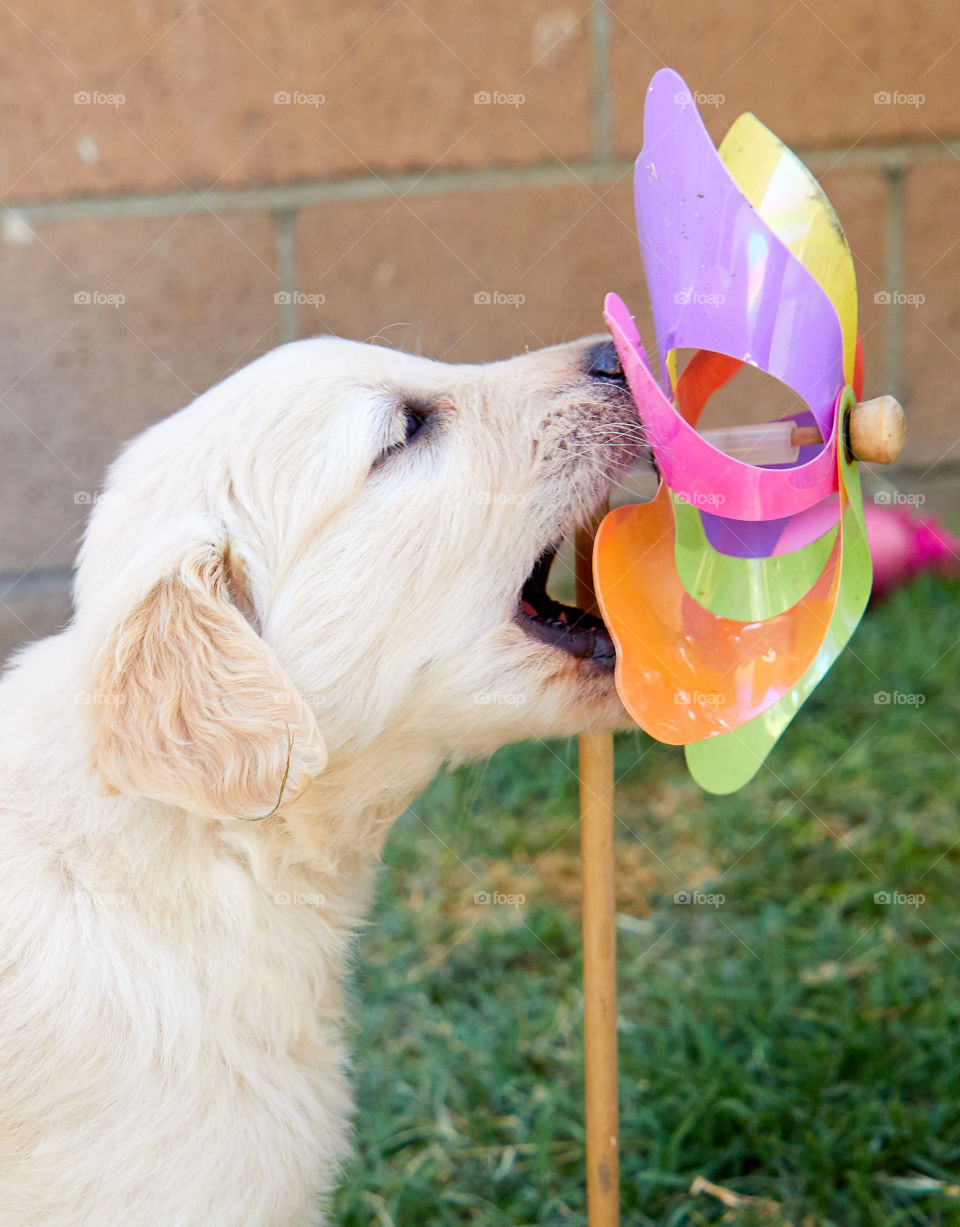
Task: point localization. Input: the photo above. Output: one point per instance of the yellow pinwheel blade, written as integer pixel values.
(795, 207)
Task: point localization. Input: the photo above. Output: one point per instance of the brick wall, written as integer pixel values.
(187, 184)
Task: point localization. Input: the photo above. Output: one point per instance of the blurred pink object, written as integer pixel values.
(901, 544)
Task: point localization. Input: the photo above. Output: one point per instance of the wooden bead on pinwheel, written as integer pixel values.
(877, 430)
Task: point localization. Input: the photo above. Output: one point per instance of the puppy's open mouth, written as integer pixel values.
(574, 631)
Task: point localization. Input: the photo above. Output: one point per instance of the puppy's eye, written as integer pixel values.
(415, 419)
(412, 419)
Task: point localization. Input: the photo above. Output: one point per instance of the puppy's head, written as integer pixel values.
(341, 549)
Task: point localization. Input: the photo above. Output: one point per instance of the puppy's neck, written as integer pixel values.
(340, 823)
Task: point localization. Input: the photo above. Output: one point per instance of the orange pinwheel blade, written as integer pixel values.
(684, 673)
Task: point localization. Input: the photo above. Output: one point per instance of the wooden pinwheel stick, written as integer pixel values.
(599, 944)
(875, 432)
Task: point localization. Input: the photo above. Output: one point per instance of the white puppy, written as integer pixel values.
(292, 601)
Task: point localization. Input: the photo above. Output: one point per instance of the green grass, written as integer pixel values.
(799, 1043)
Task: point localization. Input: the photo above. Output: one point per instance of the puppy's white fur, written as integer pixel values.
(276, 614)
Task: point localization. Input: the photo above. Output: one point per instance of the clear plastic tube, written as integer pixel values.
(766, 443)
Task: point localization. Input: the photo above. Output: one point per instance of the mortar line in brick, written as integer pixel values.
(602, 101)
(303, 195)
(893, 272)
(285, 249)
(386, 187)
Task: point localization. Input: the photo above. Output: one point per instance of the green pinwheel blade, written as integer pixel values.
(725, 763)
(746, 589)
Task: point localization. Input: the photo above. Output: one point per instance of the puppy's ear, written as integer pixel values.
(191, 707)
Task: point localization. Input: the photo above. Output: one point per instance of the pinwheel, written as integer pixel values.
(720, 636)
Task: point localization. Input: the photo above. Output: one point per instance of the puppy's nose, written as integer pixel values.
(603, 362)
